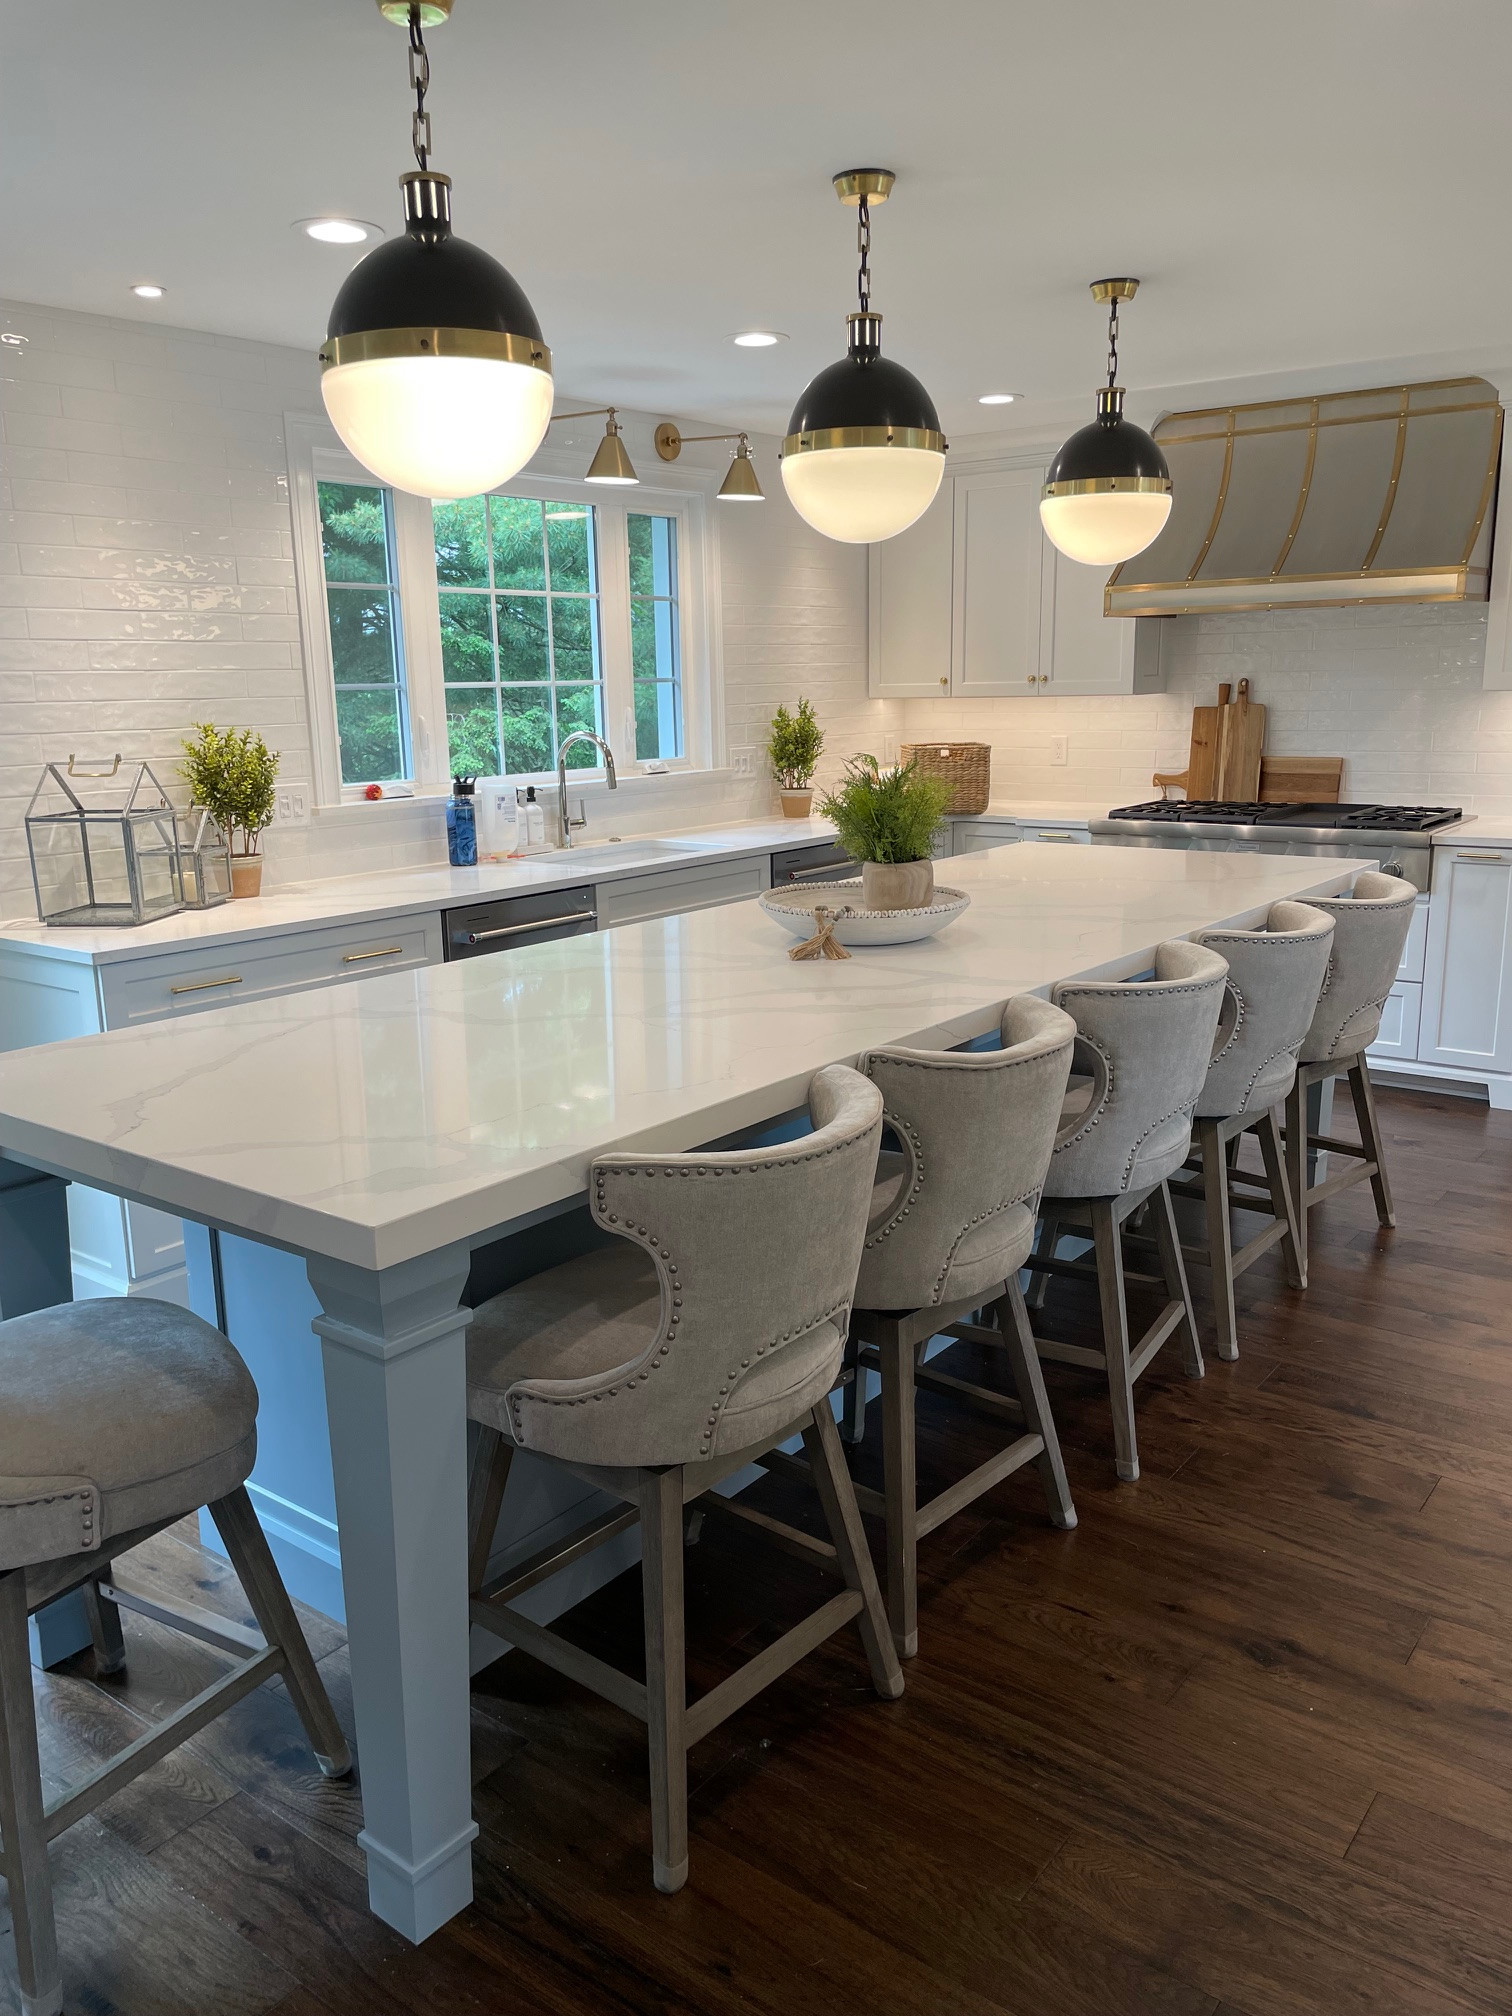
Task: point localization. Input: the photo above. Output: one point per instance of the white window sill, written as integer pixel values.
(588, 784)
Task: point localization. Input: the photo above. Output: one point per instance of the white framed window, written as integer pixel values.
(474, 637)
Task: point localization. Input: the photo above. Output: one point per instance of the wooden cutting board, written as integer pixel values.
(1198, 778)
(1301, 780)
(1241, 741)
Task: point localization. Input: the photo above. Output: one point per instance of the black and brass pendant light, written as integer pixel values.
(433, 371)
(864, 453)
(1108, 491)
(741, 484)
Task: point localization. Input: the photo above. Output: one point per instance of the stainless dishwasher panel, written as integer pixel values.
(506, 921)
(825, 862)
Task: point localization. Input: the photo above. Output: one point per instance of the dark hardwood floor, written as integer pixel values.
(1241, 1745)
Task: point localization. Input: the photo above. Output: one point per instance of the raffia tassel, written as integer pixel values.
(823, 944)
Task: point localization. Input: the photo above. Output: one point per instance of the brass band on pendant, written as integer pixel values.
(1106, 486)
(365, 346)
(865, 437)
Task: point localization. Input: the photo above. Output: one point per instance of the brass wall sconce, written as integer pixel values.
(740, 485)
(610, 463)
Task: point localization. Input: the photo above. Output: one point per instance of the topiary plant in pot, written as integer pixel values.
(793, 750)
(887, 820)
(232, 773)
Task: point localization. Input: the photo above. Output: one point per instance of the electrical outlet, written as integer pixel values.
(1059, 748)
(741, 764)
(291, 807)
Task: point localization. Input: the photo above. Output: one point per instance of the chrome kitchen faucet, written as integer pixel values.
(566, 824)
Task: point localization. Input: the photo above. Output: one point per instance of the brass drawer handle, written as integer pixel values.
(383, 952)
(199, 986)
(1460, 854)
(1055, 836)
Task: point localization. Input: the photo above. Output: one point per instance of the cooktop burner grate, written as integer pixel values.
(1340, 818)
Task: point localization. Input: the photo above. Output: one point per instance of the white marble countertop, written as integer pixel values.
(393, 1116)
(406, 891)
(1478, 829)
(1044, 811)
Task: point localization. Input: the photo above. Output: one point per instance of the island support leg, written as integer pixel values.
(395, 1373)
(36, 1272)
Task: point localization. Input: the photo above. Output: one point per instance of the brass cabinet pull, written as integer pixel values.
(199, 986)
(383, 952)
(1460, 854)
(1055, 836)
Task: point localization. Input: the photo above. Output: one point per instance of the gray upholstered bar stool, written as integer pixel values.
(118, 1417)
(952, 1223)
(711, 1329)
(1145, 1046)
(1274, 977)
(1370, 932)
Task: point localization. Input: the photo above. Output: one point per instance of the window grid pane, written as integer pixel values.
(367, 650)
(655, 652)
(522, 653)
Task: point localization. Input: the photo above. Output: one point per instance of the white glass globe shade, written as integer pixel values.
(860, 495)
(1103, 527)
(439, 426)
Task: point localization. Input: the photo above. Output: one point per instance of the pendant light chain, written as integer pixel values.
(419, 76)
(1112, 342)
(863, 247)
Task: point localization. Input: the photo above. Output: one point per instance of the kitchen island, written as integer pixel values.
(382, 1131)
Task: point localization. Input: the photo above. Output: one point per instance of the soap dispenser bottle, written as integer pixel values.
(535, 818)
(462, 824)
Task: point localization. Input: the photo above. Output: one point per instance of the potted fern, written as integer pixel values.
(231, 772)
(887, 820)
(793, 750)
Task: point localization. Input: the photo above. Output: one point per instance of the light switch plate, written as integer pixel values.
(1059, 748)
(741, 763)
(291, 806)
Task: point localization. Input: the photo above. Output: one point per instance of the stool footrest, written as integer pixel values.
(189, 1618)
(747, 1681)
(792, 1538)
(501, 1622)
(559, 1554)
(972, 1486)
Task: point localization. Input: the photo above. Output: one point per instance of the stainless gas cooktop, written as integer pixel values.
(1331, 818)
(1398, 836)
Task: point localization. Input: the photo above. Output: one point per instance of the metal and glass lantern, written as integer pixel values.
(103, 855)
(204, 860)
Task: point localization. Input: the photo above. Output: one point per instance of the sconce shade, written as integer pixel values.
(741, 485)
(610, 463)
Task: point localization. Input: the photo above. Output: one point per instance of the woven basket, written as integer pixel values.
(965, 766)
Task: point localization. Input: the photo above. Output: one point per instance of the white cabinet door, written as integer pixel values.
(909, 590)
(1081, 649)
(670, 892)
(1399, 1023)
(972, 836)
(996, 621)
(1467, 973)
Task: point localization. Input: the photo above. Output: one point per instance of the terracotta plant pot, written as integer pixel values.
(246, 875)
(897, 885)
(797, 804)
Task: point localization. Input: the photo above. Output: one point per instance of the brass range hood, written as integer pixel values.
(1379, 496)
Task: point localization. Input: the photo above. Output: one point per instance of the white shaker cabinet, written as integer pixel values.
(973, 602)
(909, 590)
(1467, 968)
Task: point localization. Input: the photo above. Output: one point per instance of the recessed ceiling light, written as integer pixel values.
(148, 290)
(758, 339)
(997, 398)
(338, 230)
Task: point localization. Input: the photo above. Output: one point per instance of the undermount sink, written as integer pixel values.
(605, 850)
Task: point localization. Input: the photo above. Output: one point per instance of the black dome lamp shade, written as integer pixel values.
(864, 453)
(1108, 491)
(433, 371)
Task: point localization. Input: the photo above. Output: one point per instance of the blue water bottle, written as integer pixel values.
(462, 824)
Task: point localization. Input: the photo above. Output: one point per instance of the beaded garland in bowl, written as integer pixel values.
(793, 906)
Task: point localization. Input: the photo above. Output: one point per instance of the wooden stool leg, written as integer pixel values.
(23, 1850)
(821, 1442)
(853, 1401)
(1046, 1237)
(1282, 1203)
(1363, 1093)
(1174, 1269)
(900, 1487)
(1220, 1235)
(485, 1501)
(1029, 1385)
(1296, 1164)
(104, 1626)
(1107, 1240)
(252, 1558)
(661, 1510)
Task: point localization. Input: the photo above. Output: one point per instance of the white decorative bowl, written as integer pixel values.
(794, 904)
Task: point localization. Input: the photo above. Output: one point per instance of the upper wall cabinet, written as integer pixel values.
(973, 602)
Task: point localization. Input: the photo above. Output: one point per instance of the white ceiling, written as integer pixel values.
(1313, 186)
